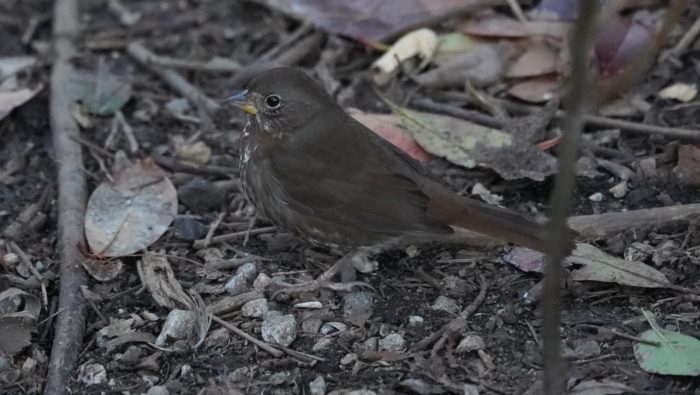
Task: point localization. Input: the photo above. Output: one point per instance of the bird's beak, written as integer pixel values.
(242, 101)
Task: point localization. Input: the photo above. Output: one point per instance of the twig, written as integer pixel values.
(72, 197)
(561, 197)
(176, 165)
(456, 324)
(600, 226)
(685, 41)
(214, 226)
(305, 28)
(517, 10)
(128, 131)
(589, 120)
(171, 77)
(198, 244)
(261, 344)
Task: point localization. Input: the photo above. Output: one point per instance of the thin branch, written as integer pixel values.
(562, 195)
(72, 197)
(176, 81)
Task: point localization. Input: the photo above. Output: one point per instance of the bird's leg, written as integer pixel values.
(324, 280)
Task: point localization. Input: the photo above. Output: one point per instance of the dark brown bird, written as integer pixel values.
(314, 170)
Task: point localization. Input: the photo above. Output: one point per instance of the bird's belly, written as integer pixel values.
(267, 195)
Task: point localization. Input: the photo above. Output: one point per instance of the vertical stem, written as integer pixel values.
(578, 102)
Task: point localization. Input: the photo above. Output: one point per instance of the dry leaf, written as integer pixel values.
(13, 99)
(679, 91)
(468, 144)
(537, 90)
(131, 212)
(420, 43)
(539, 59)
(17, 326)
(597, 265)
(390, 127)
(158, 277)
(481, 66)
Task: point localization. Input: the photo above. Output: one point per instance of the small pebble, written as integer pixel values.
(236, 285)
(314, 304)
(330, 327)
(256, 308)
(278, 328)
(93, 374)
(178, 326)
(393, 342)
(278, 378)
(619, 190)
(317, 386)
(322, 344)
(201, 195)
(261, 282)
(470, 343)
(348, 359)
(596, 197)
(445, 304)
(158, 390)
(356, 304)
(218, 338)
(415, 320)
(370, 345)
(248, 270)
(188, 229)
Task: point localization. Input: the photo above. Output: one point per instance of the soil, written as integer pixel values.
(511, 361)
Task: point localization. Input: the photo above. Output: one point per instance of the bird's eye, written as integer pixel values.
(272, 101)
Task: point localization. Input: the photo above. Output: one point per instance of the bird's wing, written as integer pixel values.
(353, 178)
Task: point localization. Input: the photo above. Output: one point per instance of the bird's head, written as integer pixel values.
(282, 99)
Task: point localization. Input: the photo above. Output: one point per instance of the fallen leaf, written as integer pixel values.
(679, 91)
(198, 152)
(13, 64)
(158, 277)
(421, 43)
(452, 44)
(390, 127)
(101, 93)
(500, 26)
(103, 269)
(366, 20)
(17, 326)
(688, 169)
(597, 265)
(538, 59)
(619, 43)
(468, 144)
(677, 354)
(131, 212)
(13, 99)
(481, 66)
(525, 259)
(537, 90)
(555, 10)
(600, 387)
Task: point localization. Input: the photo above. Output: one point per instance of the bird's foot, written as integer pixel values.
(279, 287)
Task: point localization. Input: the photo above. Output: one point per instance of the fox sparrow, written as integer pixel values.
(312, 169)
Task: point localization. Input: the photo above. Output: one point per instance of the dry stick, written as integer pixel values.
(172, 78)
(686, 40)
(271, 350)
(560, 200)
(176, 165)
(589, 120)
(599, 226)
(199, 244)
(72, 196)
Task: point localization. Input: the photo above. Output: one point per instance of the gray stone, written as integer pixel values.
(317, 386)
(393, 342)
(236, 285)
(256, 308)
(248, 270)
(200, 195)
(178, 326)
(188, 229)
(278, 328)
(218, 338)
(158, 390)
(445, 304)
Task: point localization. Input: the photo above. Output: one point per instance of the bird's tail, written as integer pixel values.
(450, 208)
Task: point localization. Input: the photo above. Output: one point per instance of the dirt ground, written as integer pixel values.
(407, 282)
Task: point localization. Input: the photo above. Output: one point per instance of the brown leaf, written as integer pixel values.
(537, 90)
(131, 212)
(390, 127)
(158, 277)
(539, 59)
